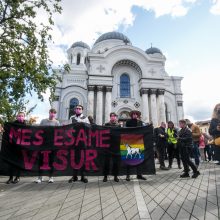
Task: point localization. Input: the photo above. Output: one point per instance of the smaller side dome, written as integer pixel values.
(153, 50)
(80, 44)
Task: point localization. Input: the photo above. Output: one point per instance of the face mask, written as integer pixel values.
(20, 118)
(52, 115)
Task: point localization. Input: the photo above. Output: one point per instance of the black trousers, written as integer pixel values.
(108, 158)
(161, 154)
(138, 169)
(13, 171)
(185, 157)
(173, 151)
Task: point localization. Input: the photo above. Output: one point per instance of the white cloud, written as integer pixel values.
(215, 9)
(83, 21)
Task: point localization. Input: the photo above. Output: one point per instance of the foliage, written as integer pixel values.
(25, 66)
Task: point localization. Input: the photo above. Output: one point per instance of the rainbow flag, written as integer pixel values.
(132, 148)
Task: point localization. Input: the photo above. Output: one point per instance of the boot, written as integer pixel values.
(105, 179)
(116, 179)
(195, 175)
(10, 180)
(140, 177)
(84, 179)
(128, 178)
(184, 175)
(73, 179)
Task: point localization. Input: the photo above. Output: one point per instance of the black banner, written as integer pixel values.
(63, 150)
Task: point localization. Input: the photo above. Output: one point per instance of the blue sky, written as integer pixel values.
(186, 31)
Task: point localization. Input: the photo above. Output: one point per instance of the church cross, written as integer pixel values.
(152, 71)
(100, 68)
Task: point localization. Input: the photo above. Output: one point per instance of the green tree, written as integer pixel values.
(25, 66)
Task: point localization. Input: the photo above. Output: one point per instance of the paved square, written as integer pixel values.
(162, 196)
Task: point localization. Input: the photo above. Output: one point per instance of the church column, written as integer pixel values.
(99, 106)
(153, 105)
(90, 106)
(108, 101)
(82, 58)
(74, 58)
(145, 105)
(161, 103)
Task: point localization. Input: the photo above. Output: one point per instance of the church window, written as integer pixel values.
(73, 103)
(124, 86)
(78, 59)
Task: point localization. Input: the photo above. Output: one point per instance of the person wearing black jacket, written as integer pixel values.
(214, 130)
(134, 122)
(20, 119)
(185, 143)
(161, 143)
(110, 155)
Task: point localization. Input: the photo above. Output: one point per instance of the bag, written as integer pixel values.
(202, 141)
(217, 141)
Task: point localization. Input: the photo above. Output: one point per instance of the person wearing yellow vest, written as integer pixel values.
(173, 151)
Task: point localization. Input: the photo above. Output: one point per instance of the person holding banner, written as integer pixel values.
(110, 156)
(161, 143)
(20, 119)
(134, 122)
(51, 121)
(79, 117)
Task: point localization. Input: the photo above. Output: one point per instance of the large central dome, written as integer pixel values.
(113, 35)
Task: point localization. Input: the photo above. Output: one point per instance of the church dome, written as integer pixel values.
(113, 35)
(153, 50)
(80, 44)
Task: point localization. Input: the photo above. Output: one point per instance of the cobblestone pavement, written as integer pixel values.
(162, 196)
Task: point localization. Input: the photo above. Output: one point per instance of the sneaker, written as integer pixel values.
(39, 180)
(105, 179)
(195, 175)
(50, 180)
(184, 175)
(16, 180)
(140, 177)
(116, 179)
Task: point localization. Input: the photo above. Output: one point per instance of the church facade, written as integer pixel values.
(115, 76)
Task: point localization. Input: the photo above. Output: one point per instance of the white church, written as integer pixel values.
(115, 76)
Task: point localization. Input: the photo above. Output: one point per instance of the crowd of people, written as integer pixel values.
(186, 143)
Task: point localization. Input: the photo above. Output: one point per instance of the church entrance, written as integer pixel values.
(123, 117)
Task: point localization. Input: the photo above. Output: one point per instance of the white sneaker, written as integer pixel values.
(50, 180)
(38, 180)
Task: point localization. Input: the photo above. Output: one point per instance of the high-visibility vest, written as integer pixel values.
(171, 138)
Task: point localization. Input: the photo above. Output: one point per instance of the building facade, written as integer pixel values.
(115, 76)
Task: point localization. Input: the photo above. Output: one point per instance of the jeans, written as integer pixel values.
(196, 152)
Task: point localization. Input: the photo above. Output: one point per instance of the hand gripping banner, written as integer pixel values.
(62, 150)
